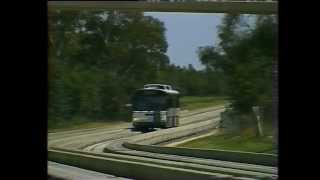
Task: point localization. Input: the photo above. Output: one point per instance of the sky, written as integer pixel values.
(185, 32)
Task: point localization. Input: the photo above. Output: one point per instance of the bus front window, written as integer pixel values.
(149, 103)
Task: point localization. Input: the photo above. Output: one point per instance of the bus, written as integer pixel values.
(155, 106)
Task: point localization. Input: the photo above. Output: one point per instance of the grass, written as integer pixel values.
(79, 124)
(194, 102)
(234, 143)
(243, 140)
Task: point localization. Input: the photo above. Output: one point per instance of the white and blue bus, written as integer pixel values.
(155, 106)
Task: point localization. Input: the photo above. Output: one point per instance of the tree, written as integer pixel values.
(98, 58)
(245, 58)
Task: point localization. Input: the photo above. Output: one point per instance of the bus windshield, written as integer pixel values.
(149, 102)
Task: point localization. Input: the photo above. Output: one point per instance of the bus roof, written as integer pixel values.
(160, 90)
(158, 86)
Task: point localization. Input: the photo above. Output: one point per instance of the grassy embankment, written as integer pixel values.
(234, 143)
(243, 141)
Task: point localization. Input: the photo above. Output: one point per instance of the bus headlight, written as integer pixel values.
(140, 119)
(135, 119)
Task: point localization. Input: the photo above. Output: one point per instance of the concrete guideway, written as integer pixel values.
(152, 137)
(81, 141)
(137, 168)
(82, 138)
(120, 126)
(132, 169)
(206, 164)
(97, 141)
(69, 133)
(65, 172)
(117, 125)
(196, 123)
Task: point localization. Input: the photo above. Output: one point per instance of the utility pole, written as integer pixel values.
(257, 112)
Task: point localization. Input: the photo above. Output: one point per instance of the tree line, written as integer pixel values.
(247, 58)
(98, 58)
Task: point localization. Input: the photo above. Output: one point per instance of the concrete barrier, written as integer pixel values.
(173, 133)
(234, 156)
(234, 171)
(144, 143)
(129, 169)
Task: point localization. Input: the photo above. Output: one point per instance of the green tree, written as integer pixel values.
(245, 58)
(97, 58)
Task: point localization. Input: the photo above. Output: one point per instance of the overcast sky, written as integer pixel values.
(185, 32)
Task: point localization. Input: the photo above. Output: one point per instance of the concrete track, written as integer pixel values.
(99, 140)
(65, 172)
(78, 139)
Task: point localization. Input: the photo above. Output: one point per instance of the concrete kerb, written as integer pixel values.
(234, 156)
(165, 135)
(168, 134)
(141, 171)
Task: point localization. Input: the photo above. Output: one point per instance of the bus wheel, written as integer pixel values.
(135, 128)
